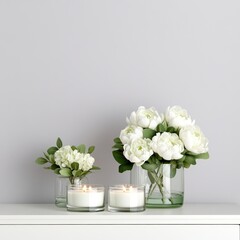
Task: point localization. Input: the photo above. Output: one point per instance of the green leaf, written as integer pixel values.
(75, 166)
(84, 174)
(78, 173)
(57, 170)
(81, 148)
(46, 155)
(54, 166)
(202, 156)
(186, 165)
(73, 148)
(179, 164)
(125, 167)
(171, 129)
(95, 168)
(66, 172)
(162, 127)
(59, 143)
(91, 149)
(81, 173)
(41, 161)
(51, 159)
(118, 156)
(173, 171)
(148, 133)
(74, 172)
(117, 140)
(149, 166)
(190, 160)
(52, 150)
(118, 146)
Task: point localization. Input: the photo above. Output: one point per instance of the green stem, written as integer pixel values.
(72, 179)
(157, 181)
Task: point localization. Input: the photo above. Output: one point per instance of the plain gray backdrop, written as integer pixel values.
(76, 69)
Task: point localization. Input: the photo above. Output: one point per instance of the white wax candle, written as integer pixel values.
(85, 197)
(126, 198)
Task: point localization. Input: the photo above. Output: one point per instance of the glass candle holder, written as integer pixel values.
(85, 198)
(126, 198)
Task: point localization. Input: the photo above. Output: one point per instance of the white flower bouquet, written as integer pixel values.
(152, 140)
(69, 161)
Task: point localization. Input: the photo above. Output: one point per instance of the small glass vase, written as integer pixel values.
(61, 185)
(164, 187)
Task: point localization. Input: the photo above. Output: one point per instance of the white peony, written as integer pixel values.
(193, 139)
(138, 151)
(177, 117)
(130, 132)
(146, 118)
(85, 161)
(65, 156)
(168, 145)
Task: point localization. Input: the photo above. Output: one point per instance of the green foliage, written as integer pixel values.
(91, 149)
(59, 143)
(173, 171)
(41, 161)
(51, 159)
(162, 127)
(202, 156)
(75, 166)
(125, 167)
(117, 140)
(118, 146)
(54, 166)
(95, 168)
(148, 133)
(119, 157)
(171, 130)
(149, 166)
(57, 170)
(52, 150)
(81, 148)
(66, 172)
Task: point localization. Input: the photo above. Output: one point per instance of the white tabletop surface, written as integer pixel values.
(187, 214)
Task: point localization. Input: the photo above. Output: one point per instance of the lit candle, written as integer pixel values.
(126, 198)
(82, 197)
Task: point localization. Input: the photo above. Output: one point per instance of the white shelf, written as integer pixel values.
(38, 214)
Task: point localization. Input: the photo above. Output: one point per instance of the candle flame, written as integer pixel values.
(84, 188)
(127, 189)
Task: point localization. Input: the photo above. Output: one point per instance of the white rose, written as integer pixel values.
(193, 139)
(146, 118)
(138, 151)
(85, 161)
(65, 156)
(168, 145)
(177, 117)
(130, 132)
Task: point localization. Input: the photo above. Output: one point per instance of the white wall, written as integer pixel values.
(77, 68)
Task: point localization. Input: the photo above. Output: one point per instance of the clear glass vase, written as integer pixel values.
(61, 185)
(164, 187)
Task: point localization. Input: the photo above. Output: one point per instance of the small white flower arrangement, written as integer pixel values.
(151, 139)
(69, 161)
